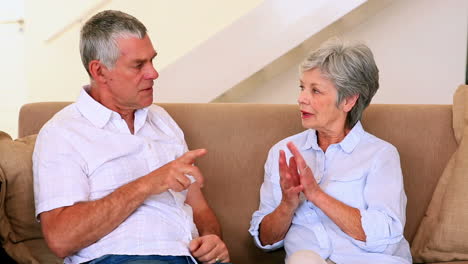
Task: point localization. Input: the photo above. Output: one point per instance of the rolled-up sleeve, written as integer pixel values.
(59, 178)
(384, 217)
(269, 200)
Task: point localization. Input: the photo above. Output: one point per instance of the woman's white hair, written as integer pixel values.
(351, 67)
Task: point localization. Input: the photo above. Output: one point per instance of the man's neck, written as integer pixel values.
(129, 119)
(126, 114)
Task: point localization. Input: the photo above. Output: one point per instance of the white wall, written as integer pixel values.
(13, 85)
(246, 46)
(43, 63)
(419, 46)
(54, 69)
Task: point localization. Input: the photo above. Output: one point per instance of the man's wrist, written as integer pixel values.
(144, 187)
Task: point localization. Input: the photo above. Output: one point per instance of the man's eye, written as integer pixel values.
(301, 87)
(315, 91)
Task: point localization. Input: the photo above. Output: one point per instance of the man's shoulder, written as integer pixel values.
(62, 118)
(156, 109)
(157, 112)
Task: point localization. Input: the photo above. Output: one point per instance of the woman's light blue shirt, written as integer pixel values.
(361, 171)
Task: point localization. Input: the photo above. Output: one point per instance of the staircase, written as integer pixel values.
(246, 46)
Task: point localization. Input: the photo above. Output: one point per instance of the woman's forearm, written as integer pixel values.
(347, 218)
(275, 225)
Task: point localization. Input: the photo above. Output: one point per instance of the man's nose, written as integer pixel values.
(152, 73)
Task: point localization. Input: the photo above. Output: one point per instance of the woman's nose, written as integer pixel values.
(303, 98)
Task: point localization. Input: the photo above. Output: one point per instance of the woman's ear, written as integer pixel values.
(97, 70)
(349, 102)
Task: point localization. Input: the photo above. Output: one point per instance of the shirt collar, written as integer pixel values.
(140, 118)
(347, 144)
(92, 110)
(352, 139)
(99, 115)
(311, 140)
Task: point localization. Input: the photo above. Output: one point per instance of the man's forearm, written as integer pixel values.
(207, 223)
(72, 228)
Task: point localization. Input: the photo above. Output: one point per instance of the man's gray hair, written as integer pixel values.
(98, 38)
(351, 67)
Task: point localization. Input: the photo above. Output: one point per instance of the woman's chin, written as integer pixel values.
(308, 124)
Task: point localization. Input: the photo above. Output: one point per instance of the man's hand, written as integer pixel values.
(305, 174)
(289, 181)
(173, 175)
(209, 249)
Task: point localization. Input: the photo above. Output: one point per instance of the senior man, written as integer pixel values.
(114, 181)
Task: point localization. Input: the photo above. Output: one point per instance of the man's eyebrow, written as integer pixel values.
(144, 60)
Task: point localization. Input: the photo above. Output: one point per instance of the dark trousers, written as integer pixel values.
(135, 259)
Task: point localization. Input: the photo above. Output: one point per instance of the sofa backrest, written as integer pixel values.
(238, 137)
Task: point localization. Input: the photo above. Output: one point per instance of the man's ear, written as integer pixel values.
(349, 102)
(97, 70)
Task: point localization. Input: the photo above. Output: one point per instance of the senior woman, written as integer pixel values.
(340, 197)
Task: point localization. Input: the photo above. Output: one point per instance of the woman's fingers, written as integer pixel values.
(283, 166)
(293, 170)
(297, 154)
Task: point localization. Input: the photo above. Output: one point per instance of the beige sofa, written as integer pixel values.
(238, 137)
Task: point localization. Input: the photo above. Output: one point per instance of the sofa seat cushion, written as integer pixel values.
(18, 225)
(451, 262)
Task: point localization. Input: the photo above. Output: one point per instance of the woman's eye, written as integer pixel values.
(301, 87)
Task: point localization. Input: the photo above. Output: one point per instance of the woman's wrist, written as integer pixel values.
(316, 196)
(287, 208)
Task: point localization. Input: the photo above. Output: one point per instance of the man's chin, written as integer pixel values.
(147, 104)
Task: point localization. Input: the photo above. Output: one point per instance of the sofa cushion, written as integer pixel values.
(17, 218)
(451, 262)
(443, 233)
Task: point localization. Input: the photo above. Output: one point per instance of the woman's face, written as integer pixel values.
(317, 103)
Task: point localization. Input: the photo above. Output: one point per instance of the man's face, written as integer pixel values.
(130, 83)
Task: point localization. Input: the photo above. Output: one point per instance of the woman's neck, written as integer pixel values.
(327, 138)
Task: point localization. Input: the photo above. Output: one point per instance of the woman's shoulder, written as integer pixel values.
(372, 142)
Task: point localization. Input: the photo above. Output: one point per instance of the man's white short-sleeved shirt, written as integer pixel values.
(86, 151)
